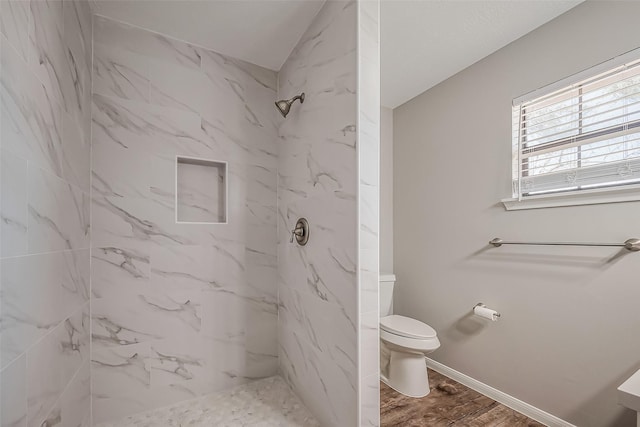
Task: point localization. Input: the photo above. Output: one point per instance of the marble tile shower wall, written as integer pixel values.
(317, 167)
(45, 121)
(178, 310)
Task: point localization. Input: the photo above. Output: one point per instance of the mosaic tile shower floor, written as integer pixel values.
(263, 403)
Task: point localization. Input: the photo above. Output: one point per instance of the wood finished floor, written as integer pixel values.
(449, 404)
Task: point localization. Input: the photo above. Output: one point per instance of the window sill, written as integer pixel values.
(629, 193)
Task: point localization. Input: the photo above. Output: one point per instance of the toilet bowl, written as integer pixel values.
(404, 342)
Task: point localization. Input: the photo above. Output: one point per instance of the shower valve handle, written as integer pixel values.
(301, 232)
(298, 231)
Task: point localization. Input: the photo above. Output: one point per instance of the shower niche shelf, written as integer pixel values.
(201, 191)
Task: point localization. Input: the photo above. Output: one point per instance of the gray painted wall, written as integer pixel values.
(386, 190)
(569, 332)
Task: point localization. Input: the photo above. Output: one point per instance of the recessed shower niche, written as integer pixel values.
(201, 191)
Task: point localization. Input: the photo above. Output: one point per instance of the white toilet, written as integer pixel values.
(404, 342)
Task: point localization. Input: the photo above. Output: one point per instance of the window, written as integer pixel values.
(579, 134)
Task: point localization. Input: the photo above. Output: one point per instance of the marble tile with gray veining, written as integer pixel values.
(152, 364)
(151, 128)
(218, 66)
(323, 325)
(229, 140)
(180, 310)
(219, 272)
(267, 402)
(120, 73)
(119, 271)
(47, 53)
(318, 380)
(14, 24)
(13, 205)
(145, 43)
(141, 224)
(136, 223)
(133, 378)
(53, 362)
(73, 407)
(177, 86)
(13, 405)
(202, 268)
(247, 89)
(60, 54)
(328, 268)
(200, 338)
(261, 271)
(58, 214)
(31, 118)
(325, 136)
(45, 98)
(39, 292)
(77, 44)
(76, 154)
(140, 174)
(318, 180)
(144, 318)
(78, 33)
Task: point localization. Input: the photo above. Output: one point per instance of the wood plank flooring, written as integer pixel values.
(449, 404)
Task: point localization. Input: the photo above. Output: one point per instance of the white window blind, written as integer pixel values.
(583, 135)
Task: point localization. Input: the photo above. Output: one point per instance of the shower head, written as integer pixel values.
(285, 105)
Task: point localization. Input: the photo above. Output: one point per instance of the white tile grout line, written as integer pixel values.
(61, 251)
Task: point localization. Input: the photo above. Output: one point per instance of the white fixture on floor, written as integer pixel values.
(404, 342)
(629, 394)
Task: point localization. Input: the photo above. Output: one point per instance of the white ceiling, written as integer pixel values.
(426, 42)
(263, 32)
(423, 42)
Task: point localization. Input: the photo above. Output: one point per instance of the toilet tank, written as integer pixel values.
(387, 282)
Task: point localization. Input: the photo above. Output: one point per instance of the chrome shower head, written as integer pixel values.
(285, 105)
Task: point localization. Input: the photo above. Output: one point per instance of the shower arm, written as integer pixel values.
(300, 97)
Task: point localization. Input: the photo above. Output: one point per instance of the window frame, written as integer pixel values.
(581, 194)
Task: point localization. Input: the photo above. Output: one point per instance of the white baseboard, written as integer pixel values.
(507, 400)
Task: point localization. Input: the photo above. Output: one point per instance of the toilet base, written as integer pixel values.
(407, 374)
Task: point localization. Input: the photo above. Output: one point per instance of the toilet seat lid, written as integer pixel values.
(407, 327)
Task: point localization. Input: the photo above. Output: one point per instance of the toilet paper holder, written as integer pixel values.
(484, 306)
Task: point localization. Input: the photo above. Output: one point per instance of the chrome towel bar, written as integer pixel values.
(632, 244)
